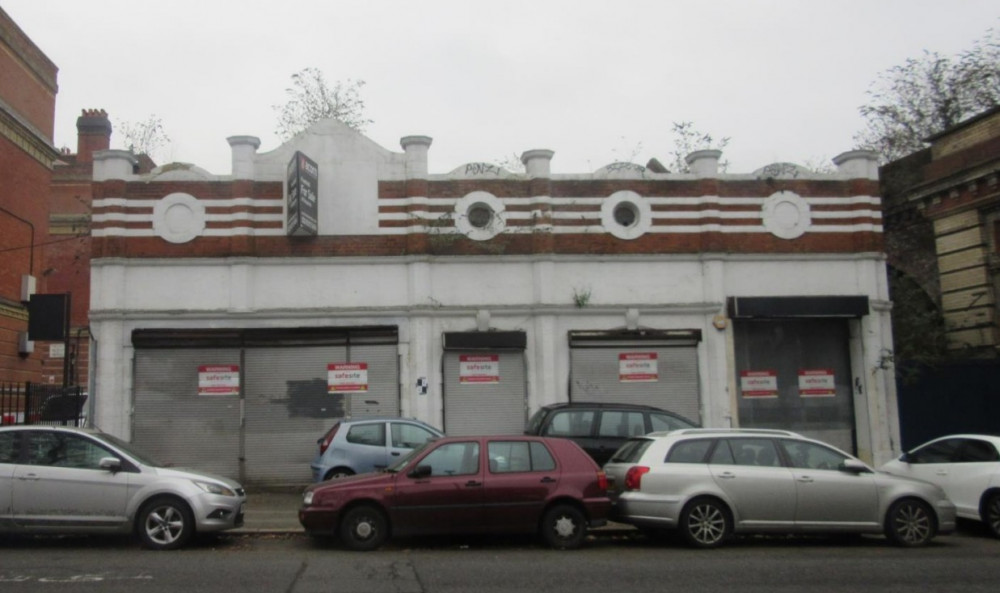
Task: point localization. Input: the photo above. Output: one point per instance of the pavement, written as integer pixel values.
(275, 510)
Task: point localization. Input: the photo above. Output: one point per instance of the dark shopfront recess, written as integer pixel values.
(788, 336)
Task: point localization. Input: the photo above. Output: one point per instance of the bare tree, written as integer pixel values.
(311, 99)
(926, 95)
(688, 139)
(144, 137)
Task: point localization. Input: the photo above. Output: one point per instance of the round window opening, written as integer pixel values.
(626, 214)
(480, 215)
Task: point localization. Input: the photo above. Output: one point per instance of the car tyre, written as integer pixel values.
(337, 473)
(705, 523)
(364, 528)
(165, 523)
(564, 527)
(910, 523)
(992, 514)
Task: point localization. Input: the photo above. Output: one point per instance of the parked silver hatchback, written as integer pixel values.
(710, 484)
(60, 480)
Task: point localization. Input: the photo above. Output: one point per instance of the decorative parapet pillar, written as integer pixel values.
(704, 163)
(416, 148)
(114, 164)
(538, 163)
(858, 164)
(244, 150)
(538, 166)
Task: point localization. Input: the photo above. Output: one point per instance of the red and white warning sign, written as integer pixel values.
(817, 383)
(218, 379)
(638, 367)
(347, 377)
(759, 384)
(479, 368)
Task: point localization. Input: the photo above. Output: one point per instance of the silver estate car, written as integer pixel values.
(710, 484)
(59, 480)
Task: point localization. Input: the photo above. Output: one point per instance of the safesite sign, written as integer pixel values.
(638, 367)
(347, 377)
(759, 384)
(219, 379)
(479, 368)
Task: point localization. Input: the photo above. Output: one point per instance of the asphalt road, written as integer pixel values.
(968, 562)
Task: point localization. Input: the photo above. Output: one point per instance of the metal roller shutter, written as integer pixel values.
(485, 408)
(175, 424)
(594, 377)
(287, 409)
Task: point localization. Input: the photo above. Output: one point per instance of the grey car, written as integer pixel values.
(709, 484)
(61, 480)
(366, 445)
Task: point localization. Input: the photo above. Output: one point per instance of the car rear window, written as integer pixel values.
(631, 451)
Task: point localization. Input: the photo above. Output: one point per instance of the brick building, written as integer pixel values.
(944, 206)
(27, 113)
(237, 316)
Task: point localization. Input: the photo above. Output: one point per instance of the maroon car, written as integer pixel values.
(495, 484)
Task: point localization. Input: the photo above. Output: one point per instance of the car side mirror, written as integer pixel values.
(854, 466)
(111, 464)
(421, 471)
(905, 458)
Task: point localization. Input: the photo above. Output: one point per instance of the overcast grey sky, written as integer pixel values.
(590, 79)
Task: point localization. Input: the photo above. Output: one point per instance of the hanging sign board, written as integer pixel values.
(219, 379)
(638, 367)
(817, 383)
(347, 377)
(302, 189)
(479, 368)
(759, 384)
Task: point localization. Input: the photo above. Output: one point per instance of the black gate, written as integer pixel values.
(34, 403)
(954, 398)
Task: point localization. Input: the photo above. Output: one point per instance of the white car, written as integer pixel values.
(59, 480)
(711, 483)
(966, 466)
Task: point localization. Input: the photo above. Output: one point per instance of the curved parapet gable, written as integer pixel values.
(179, 172)
(480, 171)
(783, 171)
(622, 170)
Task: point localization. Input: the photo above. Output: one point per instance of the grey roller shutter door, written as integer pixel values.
(287, 409)
(594, 377)
(288, 406)
(176, 425)
(485, 408)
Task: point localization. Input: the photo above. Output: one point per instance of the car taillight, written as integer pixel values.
(633, 477)
(324, 442)
(602, 481)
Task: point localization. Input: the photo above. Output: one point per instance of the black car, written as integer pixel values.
(601, 428)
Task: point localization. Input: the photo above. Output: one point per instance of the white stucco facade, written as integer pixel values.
(545, 293)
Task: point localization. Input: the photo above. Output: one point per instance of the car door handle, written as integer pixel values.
(32, 477)
(942, 472)
(806, 479)
(395, 453)
(548, 480)
(727, 475)
(473, 484)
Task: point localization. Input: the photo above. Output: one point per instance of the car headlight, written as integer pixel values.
(307, 498)
(214, 488)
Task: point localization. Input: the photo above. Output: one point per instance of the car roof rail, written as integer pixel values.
(761, 431)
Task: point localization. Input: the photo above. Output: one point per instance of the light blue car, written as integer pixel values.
(360, 446)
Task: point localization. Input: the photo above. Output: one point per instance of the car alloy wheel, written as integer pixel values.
(705, 523)
(992, 514)
(165, 523)
(910, 523)
(564, 527)
(336, 474)
(363, 528)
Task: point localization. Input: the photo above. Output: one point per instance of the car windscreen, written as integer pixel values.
(405, 461)
(631, 451)
(131, 450)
